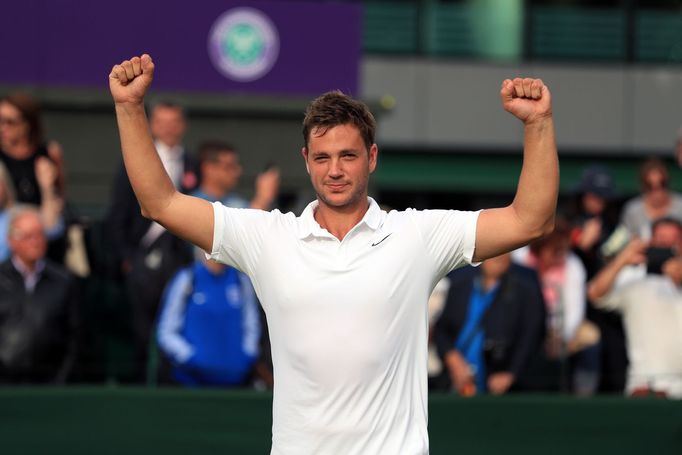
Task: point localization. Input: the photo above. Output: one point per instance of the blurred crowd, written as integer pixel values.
(594, 307)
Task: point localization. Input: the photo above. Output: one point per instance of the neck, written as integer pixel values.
(28, 265)
(488, 282)
(340, 220)
(19, 150)
(214, 268)
(660, 202)
(166, 144)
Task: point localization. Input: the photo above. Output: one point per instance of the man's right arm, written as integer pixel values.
(188, 217)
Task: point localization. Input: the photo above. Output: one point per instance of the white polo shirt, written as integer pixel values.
(347, 319)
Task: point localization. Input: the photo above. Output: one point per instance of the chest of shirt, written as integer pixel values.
(369, 274)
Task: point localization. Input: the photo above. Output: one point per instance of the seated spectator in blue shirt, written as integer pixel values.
(492, 323)
(209, 327)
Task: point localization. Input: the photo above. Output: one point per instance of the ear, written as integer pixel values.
(373, 152)
(304, 153)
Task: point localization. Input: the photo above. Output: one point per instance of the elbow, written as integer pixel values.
(592, 296)
(548, 227)
(146, 214)
(541, 230)
(150, 215)
(594, 293)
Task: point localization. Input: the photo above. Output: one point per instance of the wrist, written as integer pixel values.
(539, 121)
(48, 191)
(130, 107)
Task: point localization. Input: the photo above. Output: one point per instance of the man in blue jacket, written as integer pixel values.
(209, 326)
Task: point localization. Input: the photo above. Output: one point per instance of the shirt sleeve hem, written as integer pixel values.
(470, 245)
(218, 228)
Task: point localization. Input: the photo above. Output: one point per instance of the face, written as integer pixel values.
(667, 235)
(27, 239)
(655, 185)
(167, 125)
(13, 126)
(223, 172)
(593, 204)
(553, 254)
(339, 165)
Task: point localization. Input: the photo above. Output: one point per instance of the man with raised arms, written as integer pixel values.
(345, 285)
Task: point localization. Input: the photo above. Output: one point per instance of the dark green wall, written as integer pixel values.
(171, 421)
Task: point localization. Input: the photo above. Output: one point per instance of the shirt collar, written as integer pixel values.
(308, 226)
(31, 277)
(171, 153)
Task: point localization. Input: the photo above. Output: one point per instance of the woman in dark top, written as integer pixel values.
(22, 144)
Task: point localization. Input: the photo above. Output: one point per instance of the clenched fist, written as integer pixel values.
(130, 80)
(528, 99)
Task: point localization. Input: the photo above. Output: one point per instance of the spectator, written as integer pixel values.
(570, 337)
(220, 172)
(593, 223)
(592, 220)
(210, 325)
(492, 322)
(38, 307)
(647, 293)
(22, 146)
(656, 201)
(147, 255)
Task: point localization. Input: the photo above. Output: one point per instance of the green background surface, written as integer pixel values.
(116, 420)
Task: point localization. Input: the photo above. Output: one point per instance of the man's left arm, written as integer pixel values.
(531, 214)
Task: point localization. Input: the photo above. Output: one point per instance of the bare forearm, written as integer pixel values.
(602, 283)
(50, 207)
(538, 188)
(153, 188)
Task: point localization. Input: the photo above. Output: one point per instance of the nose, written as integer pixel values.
(335, 169)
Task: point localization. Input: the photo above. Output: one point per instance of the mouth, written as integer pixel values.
(336, 187)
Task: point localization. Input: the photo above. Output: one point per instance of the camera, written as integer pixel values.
(655, 257)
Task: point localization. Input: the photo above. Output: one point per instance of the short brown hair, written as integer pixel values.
(30, 111)
(211, 150)
(336, 108)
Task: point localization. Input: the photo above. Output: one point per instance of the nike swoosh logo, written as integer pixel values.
(375, 244)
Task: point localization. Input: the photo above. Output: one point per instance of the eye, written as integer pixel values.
(320, 158)
(349, 156)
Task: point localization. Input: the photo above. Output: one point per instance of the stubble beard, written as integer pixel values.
(353, 198)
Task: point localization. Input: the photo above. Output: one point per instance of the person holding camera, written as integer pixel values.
(643, 284)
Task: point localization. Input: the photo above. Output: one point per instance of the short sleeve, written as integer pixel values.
(238, 236)
(449, 236)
